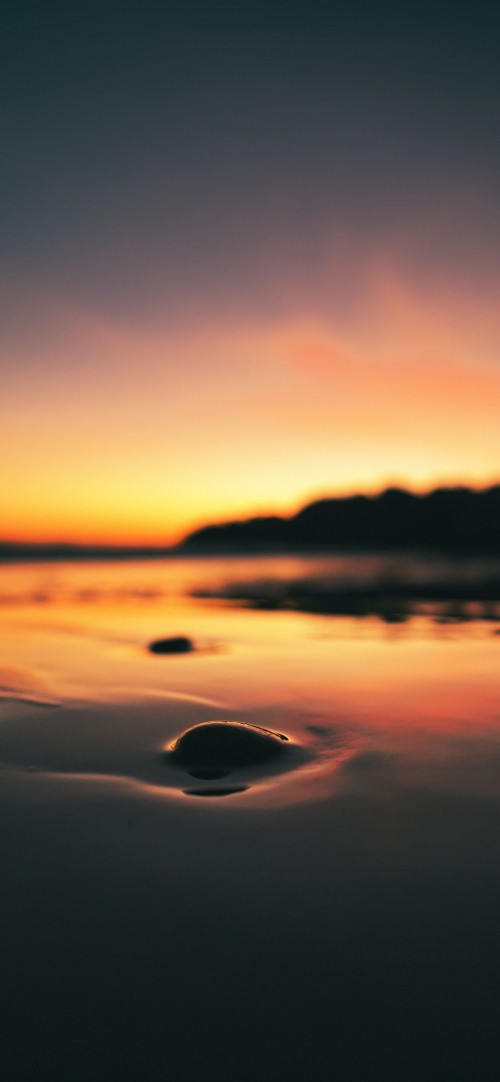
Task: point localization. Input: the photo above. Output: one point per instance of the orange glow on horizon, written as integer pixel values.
(116, 432)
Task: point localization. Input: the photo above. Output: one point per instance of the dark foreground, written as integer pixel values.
(342, 924)
(358, 941)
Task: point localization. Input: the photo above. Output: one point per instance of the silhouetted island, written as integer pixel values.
(447, 519)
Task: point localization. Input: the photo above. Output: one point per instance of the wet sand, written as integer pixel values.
(337, 918)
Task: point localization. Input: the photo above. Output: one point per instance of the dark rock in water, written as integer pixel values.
(178, 645)
(214, 747)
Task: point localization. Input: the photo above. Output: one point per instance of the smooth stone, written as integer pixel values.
(225, 745)
(178, 645)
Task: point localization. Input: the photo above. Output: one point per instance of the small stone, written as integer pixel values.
(178, 645)
(214, 747)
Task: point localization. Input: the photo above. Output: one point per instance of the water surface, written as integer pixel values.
(335, 917)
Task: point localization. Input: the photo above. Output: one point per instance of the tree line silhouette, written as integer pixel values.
(446, 519)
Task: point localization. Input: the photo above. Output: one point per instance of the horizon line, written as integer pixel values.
(173, 547)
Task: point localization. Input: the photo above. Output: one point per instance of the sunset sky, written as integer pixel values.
(250, 255)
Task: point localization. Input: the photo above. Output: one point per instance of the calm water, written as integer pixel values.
(334, 920)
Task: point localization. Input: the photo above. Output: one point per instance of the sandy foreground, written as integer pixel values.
(337, 920)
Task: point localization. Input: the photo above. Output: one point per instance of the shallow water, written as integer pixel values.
(333, 917)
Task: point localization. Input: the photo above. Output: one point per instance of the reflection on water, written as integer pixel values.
(24, 686)
(331, 912)
(410, 696)
(143, 581)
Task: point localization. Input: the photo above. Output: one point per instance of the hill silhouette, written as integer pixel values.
(450, 520)
(446, 519)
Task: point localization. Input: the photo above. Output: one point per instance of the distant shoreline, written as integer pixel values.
(446, 520)
(25, 552)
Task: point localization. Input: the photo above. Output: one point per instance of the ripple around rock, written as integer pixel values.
(211, 749)
(179, 644)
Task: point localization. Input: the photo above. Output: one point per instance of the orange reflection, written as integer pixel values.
(417, 700)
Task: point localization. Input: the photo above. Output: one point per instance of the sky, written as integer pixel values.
(250, 255)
